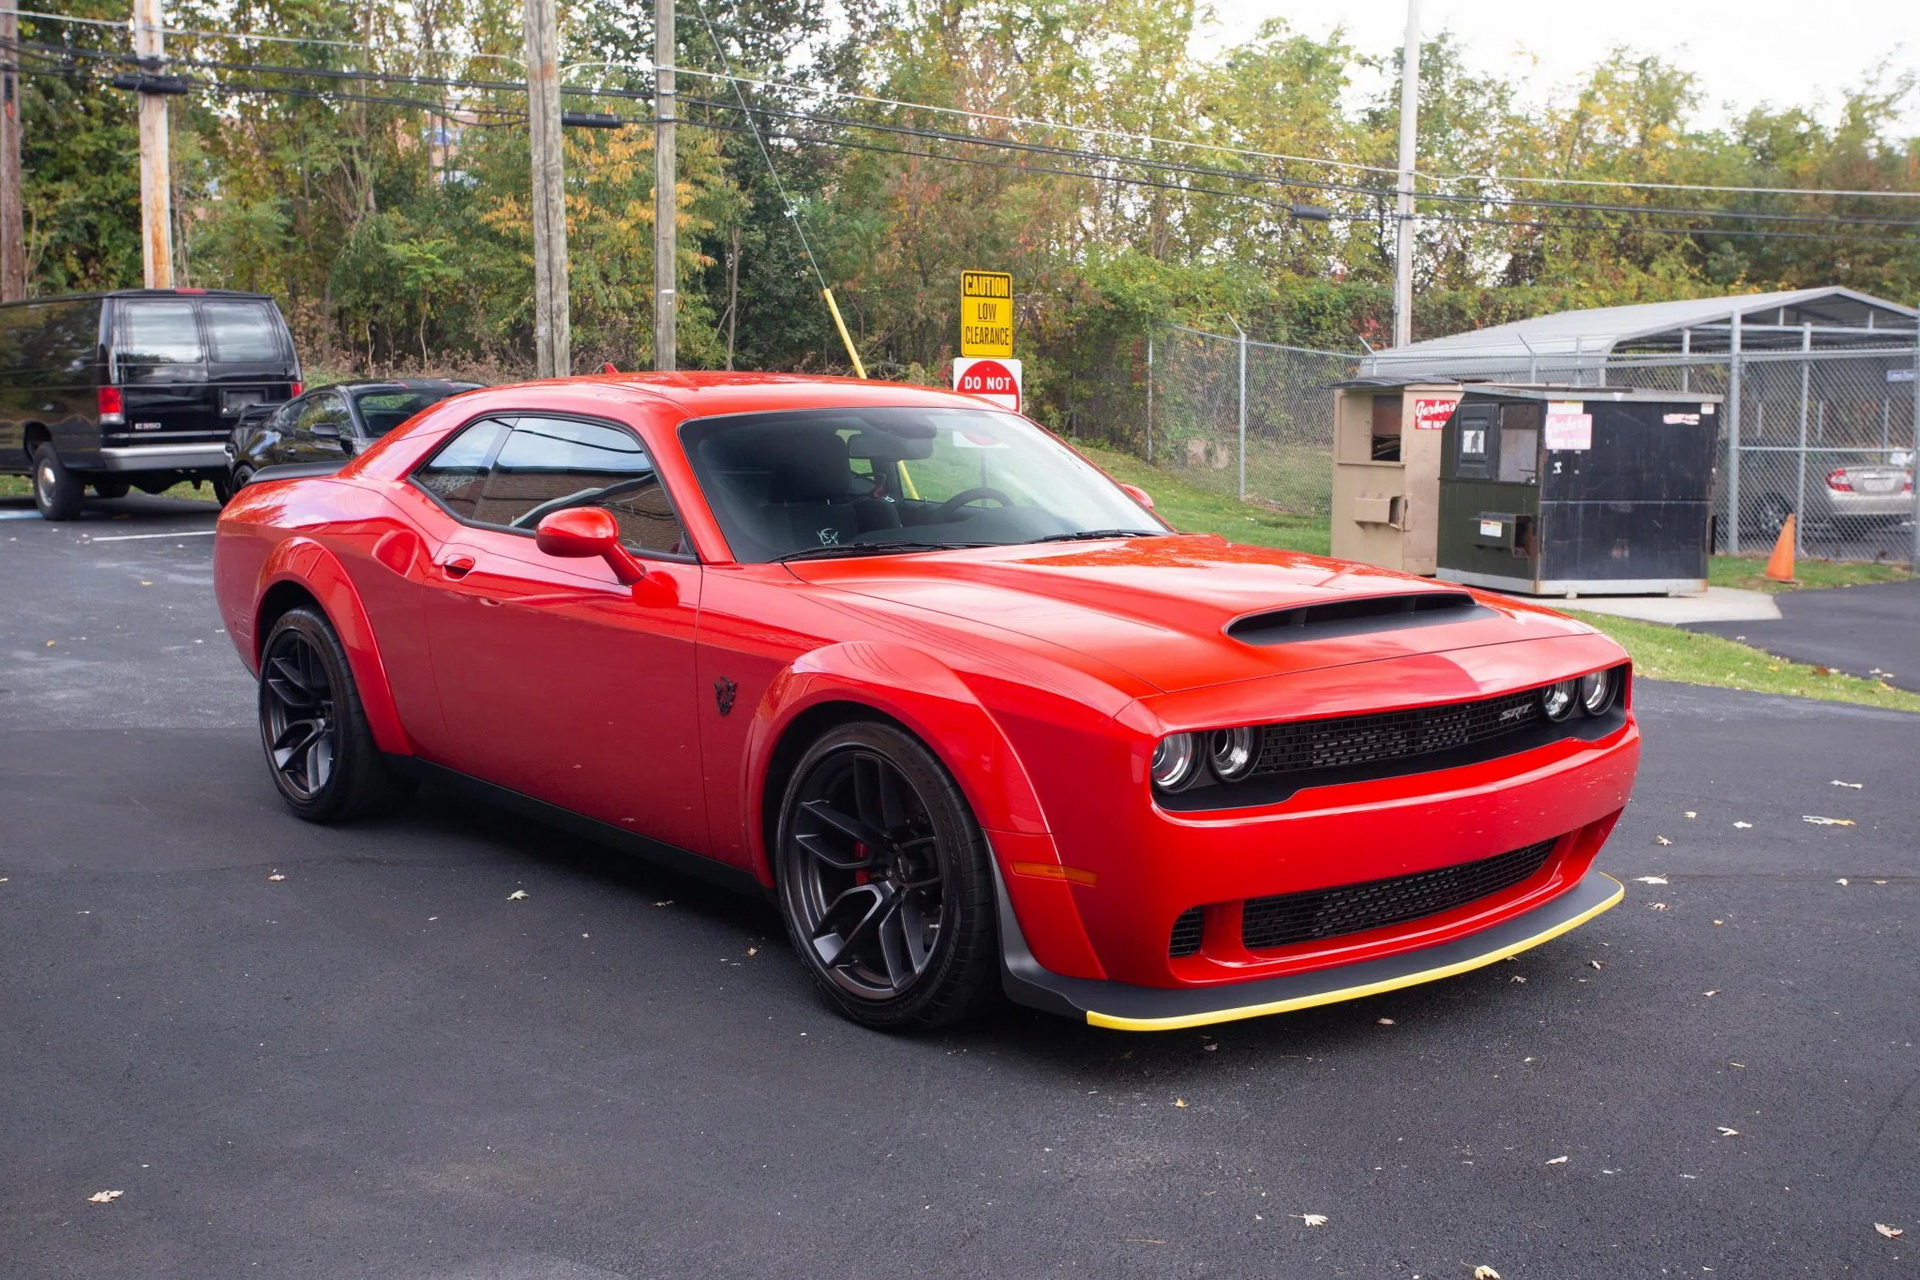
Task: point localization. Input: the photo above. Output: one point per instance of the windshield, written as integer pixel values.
(875, 480)
(382, 411)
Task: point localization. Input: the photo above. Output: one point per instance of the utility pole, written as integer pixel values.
(1409, 123)
(13, 240)
(552, 340)
(156, 179)
(666, 203)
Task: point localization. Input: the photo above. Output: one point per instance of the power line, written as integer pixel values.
(512, 118)
(1088, 130)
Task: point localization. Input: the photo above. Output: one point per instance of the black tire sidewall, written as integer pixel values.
(361, 782)
(963, 975)
(58, 497)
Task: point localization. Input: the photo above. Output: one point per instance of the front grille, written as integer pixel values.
(1342, 742)
(1186, 933)
(1288, 918)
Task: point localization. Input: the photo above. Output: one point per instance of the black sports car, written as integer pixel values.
(328, 425)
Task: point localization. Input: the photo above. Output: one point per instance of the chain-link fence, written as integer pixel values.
(1253, 419)
(1828, 436)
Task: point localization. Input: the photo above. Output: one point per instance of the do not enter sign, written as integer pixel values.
(996, 380)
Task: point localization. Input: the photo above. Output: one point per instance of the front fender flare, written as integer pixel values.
(308, 565)
(935, 704)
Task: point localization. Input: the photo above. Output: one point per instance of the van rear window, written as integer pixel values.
(159, 332)
(243, 332)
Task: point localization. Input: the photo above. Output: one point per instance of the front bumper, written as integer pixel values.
(1123, 1007)
(165, 457)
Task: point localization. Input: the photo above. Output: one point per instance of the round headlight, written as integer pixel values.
(1596, 692)
(1230, 752)
(1557, 700)
(1174, 761)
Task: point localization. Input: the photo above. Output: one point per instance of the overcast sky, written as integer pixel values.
(1745, 53)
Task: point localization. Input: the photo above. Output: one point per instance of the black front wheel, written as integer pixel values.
(885, 885)
(316, 736)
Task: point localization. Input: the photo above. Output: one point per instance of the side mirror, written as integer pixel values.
(1139, 495)
(326, 431)
(586, 533)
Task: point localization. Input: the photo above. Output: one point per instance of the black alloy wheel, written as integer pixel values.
(324, 760)
(884, 881)
(56, 490)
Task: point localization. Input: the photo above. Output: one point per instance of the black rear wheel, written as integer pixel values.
(56, 490)
(884, 881)
(316, 736)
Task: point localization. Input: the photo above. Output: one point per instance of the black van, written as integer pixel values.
(134, 389)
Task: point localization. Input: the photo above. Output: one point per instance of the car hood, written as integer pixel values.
(1160, 608)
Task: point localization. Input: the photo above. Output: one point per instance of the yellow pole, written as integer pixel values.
(858, 368)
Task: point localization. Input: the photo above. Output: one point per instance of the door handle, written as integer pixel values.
(457, 566)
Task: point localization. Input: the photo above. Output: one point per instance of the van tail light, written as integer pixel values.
(1839, 481)
(295, 388)
(1908, 486)
(113, 407)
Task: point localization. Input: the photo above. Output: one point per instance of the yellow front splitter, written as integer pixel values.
(1121, 1007)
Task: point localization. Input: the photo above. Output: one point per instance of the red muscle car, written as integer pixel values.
(974, 717)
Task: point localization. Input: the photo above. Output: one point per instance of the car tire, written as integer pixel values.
(1770, 515)
(239, 480)
(313, 728)
(224, 488)
(898, 929)
(111, 488)
(56, 490)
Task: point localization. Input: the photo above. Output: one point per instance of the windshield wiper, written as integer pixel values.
(868, 548)
(1085, 535)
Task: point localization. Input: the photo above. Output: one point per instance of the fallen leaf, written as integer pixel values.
(1649, 879)
(1386, 1022)
(1879, 881)
(1690, 814)
(1728, 1133)
(1656, 906)
(1311, 1219)
(276, 876)
(1661, 840)
(664, 902)
(1596, 964)
(1857, 786)
(1518, 977)
(1717, 923)
(516, 895)
(1743, 825)
(1180, 1102)
(1842, 880)
(1819, 821)
(1741, 1065)
(753, 951)
(105, 1197)
(1559, 1159)
(1714, 992)
(1485, 1273)
(1891, 1233)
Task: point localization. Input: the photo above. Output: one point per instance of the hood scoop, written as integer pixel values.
(1365, 616)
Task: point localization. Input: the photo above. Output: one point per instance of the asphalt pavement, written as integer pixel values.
(1871, 630)
(347, 1053)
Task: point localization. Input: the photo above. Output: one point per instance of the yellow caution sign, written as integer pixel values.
(986, 313)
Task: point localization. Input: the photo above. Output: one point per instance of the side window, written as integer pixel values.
(158, 332)
(243, 332)
(457, 472)
(323, 412)
(549, 464)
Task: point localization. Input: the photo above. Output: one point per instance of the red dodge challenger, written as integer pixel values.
(974, 717)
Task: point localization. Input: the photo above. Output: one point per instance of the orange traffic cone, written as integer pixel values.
(1780, 563)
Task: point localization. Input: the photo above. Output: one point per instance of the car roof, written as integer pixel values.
(369, 385)
(713, 394)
